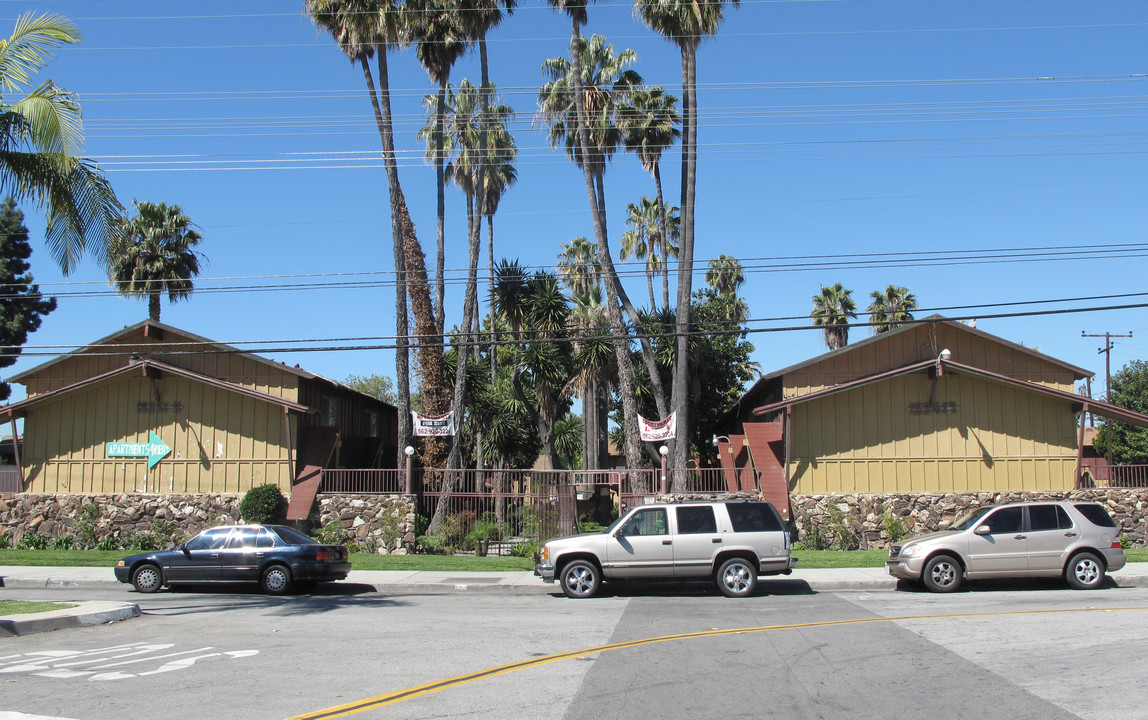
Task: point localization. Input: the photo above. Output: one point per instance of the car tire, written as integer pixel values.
(943, 573)
(737, 577)
(147, 578)
(580, 579)
(276, 580)
(1085, 571)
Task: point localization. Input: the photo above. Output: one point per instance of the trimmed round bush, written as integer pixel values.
(263, 504)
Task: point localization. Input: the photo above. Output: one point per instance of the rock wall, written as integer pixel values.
(869, 521)
(376, 523)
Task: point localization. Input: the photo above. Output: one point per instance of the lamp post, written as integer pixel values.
(664, 451)
(410, 451)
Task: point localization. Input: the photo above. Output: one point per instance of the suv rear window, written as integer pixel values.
(694, 520)
(753, 517)
(1096, 515)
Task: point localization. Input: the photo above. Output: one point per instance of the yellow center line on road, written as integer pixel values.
(398, 696)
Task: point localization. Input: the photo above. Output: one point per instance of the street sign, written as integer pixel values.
(154, 451)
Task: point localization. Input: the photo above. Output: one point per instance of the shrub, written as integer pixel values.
(87, 525)
(263, 504)
(432, 544)
(140, 542)
(894, 526)
(64, 542)
(5, 541)
(108, 543)
(481, 534)
(840, 529)
(456, 527)
(526, 549)
(332, 533)
(33, 541)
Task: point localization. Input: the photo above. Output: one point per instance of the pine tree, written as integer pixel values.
(21, 305)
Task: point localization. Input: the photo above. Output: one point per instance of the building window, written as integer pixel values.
(328, 411)
(372, 423)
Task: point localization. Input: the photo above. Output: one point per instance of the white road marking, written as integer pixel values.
(68, 664)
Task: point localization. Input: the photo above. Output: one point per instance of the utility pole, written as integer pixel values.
(1107, 351)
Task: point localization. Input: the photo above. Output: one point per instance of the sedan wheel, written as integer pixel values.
(736, 577)
(580, 579)
(942, 574)
(147, 578)
(276, 580)
(1085, 571)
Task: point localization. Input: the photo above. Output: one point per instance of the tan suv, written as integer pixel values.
(1073, 539)
(731, 542)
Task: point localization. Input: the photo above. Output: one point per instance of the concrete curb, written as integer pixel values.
(83, 615)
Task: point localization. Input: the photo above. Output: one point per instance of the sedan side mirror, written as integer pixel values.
(983, 530)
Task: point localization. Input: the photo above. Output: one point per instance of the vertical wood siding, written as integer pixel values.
(866, 440)
(221, 442)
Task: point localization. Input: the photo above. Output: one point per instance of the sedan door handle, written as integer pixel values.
(667, 542)
(214, 556)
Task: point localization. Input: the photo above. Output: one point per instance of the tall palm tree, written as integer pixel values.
(440, 40)
(891, 309)
(579, 266)
(40, 136)
(642, 217)
(366, 29)
(592, 355)
(685, 23)
(154, 253)
(833, 307)
(650, 122)
(579, 104)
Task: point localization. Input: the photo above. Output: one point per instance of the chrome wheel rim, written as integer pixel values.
(943, 574)
(579, 580)
(1087, 571)
(736, 578)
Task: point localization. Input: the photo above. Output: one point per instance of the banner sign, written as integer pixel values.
(658, 430)
(428, 426)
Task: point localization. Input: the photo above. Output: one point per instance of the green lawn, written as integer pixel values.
(808, 559)
(22, 607)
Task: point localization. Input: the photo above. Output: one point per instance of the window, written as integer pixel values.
(646, 522)
(211, 540)
(1048, 517)
(248, 538)
(1096, 515)
(694, 520)
(372, 423)
(1005, 520)
(753, 517)
(328, 411)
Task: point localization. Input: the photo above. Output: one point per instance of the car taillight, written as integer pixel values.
(1116, 545)
(325, 555)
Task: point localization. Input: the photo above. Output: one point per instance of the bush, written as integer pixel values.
(432, 544)
(33, 541)
(141, 542)
(5, 541)
(481, 534)
(526, 549)
(64, 542)
(109, 543)
(457, 527)
(332, 533)
(894, 526)
(87, 525)
(263, 504)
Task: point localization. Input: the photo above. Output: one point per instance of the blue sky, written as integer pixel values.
(901, 131)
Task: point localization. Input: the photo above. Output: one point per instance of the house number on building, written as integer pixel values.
(144, 406)
(926, 408)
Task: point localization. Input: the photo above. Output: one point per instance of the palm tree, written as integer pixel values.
(40, 135)
(365, 29)
(638, 240)
(441, 41)
(154, 253)
(579, 104)
(579, 266)
(592, 353)
(685, 23)
(832, 309)
(891, 309)
(650, 122)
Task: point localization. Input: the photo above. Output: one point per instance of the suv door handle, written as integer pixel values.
(1070, 534)
(1019, 537)
(667, 542)
(716, 540)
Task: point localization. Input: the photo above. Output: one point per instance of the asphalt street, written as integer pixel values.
(1014, 650)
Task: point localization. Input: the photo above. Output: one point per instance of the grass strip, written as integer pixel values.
(24, 607)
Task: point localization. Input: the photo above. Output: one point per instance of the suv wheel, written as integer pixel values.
(1084, 571)
(942, 574)
(737, 577)
(580, 579)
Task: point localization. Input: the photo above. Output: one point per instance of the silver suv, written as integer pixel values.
(731, 541)
(1073, 539)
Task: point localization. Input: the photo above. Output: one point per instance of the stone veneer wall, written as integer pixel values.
(378, 523)
(863, 515)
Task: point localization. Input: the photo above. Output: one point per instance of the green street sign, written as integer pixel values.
(154, 451)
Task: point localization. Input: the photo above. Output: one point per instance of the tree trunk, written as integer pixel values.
(440, 237)
(664, 227)
(153, 306)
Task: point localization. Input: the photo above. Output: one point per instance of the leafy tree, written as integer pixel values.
(40, 135)
(685, 23)
(153, 253)
(832, 309)
(22, 307)
(380, 387)
(892, 308)
(1129, 443)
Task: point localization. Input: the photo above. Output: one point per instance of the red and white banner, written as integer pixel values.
(436, 426)
(658, 430)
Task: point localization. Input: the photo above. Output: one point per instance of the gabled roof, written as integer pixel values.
(764, 381)
(1094, 406)
(18, 409)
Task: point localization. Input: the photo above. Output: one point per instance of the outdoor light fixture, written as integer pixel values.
(409, 450)
(719, 437)
(945, 355)
(663, 451)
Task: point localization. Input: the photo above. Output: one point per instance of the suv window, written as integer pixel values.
(1005, 520)
(694, 520)
(1048, 517)
(753, 517)
(1096, 515)
(646, 522)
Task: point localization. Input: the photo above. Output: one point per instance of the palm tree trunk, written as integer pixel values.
(664, 227)
(153, 305)
(440, 178)
(381, 101)
(679, 449)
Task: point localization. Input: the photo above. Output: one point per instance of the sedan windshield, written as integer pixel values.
(970, 518)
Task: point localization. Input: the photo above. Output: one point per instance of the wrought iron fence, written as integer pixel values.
(363, 482)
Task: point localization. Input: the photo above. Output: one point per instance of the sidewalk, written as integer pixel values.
(400, 582)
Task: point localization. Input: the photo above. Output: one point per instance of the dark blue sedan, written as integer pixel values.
(275, 556)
